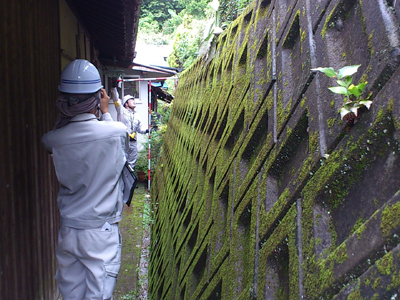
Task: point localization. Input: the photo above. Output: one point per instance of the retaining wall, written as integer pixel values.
(263, 192)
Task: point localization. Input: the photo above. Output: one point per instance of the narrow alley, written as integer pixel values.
(135, 231)
(279, 174)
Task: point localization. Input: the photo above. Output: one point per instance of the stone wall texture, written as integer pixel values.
(262, 191)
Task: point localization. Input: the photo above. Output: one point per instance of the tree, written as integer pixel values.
(159, 10)
(186, 43)
(195, 8)
(229, 10)
(189, 23)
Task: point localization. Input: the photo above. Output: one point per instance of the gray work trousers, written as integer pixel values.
(132, 154)
(88, 262)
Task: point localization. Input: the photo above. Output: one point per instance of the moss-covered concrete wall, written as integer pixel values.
(263, 192)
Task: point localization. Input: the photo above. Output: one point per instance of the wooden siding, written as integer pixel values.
(30, 68)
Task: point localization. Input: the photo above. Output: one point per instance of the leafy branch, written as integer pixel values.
(353, 99)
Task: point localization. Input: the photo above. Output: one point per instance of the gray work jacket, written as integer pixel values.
(128, 118)
(89, 156)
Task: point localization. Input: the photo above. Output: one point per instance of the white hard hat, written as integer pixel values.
(127, 97)
(80, 77)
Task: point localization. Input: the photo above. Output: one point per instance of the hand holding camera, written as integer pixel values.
(104, 101)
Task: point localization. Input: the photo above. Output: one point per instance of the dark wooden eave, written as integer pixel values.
(161, 94)
(112, 26)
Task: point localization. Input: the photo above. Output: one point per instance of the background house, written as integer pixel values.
(135, 82)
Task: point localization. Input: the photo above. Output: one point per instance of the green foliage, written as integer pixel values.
(187, 42)
(157, 139)
(142, 162)
(165, 110)
(150, 33)
(229, 10)
(160, 11)
(183, 23)
(171, 89)
(170, 25)
(195, 8)
(353, 99)
(158, 20)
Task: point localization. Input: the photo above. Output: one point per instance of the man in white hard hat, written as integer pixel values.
(89, 157)
(126, 115)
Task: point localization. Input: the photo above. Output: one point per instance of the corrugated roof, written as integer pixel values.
(155, 69)
(112, 25)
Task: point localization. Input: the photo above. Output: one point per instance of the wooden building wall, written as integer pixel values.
(30, 67)
(33, 50)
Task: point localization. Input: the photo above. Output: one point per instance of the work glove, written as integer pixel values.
(132, 136)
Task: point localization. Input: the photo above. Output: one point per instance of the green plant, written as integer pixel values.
(353, 99)
(148, 217)
(142, 162)
(157, 139)
(130, 296)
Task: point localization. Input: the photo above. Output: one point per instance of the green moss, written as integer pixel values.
(360, 231)
(318, 276)
(385, 265)
(364, 77)
(341, 254)
(279, 108)
(288, 131)
(289, 106)
(356, 295)
(313, 141)
(134, 219)
(327, 23)
(305, 170)
(317, 218)
(360, 221)
(333, 233)
(331, 122)
(359, 156)
(390, 219)
(370, 43)
(377, 282)
(285, 194)
(391, 105)
(376, 297)
(303, 101)
(302, 35)
(396, 121)
(367, 282)
(325, 274)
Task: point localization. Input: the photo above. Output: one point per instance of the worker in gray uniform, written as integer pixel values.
(126, 115)
(89, 156)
